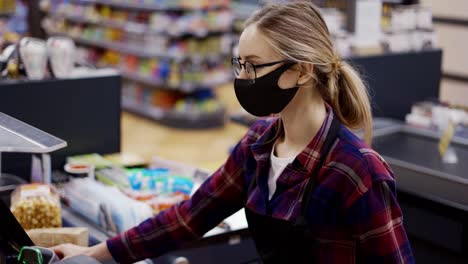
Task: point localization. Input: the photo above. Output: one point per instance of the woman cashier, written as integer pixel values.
(313, 192)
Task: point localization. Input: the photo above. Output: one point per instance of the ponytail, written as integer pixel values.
(349, 98)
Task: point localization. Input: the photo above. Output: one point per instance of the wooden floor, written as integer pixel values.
(206, 149)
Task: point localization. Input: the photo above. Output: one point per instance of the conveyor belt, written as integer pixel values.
(421, 151)
(419, 169)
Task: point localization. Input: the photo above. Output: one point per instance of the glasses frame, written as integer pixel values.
(236, 60)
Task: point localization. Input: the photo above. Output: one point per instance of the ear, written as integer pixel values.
(306, 71)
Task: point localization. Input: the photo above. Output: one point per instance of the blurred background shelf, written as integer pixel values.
(6, 14)
(133, 26)
(163, 6)
(184, 87)
(7, 8)
(139, 50)
(171, 54)
(176, 119)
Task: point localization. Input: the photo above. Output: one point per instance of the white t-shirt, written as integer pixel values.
(277, 167)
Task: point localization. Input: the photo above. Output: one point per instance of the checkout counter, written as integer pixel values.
(432, 194)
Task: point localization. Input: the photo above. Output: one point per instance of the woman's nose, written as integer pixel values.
(243, 74)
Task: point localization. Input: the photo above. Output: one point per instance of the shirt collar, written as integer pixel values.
(308, 158)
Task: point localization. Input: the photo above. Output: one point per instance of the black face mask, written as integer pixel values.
(264, 97)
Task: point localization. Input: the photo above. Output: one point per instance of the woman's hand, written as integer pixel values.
(70, 250)
(99, 252)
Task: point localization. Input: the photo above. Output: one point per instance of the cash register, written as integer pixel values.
(15, 244)
(17, 247)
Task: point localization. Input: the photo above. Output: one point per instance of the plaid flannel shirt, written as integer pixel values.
(353, 211)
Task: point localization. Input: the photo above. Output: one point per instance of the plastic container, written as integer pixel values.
(36, 206)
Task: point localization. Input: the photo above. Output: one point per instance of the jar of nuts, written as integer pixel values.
(36, 206)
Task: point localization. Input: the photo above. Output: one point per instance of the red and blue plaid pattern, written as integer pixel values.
(353, 211)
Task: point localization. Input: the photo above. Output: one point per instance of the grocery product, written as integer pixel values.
(36, 206)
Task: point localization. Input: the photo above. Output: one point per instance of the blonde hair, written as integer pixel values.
(298, 32)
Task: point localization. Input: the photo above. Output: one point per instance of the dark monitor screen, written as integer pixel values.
(85, 112)
(12, 235)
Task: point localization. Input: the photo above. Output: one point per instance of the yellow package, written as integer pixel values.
(49, 237)
(36, 206)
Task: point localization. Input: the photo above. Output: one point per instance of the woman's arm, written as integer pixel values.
(218, 197)
(381, 235)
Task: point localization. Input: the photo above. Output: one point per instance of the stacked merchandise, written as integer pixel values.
(394, 27)
(436, 116)
(113, 193)
(116, 192)
(7, 7)
(242, 10)
(391, 25)
(12, 22)
(407, 28)
(175, 50)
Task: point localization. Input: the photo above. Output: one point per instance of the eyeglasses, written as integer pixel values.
(250, 69)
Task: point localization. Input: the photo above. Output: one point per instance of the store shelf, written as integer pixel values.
(242, 11)
(79, 19)
(132, 26)
(185, 87)
(6, 14)
(194, 120)
(142, 7)
(139, 50)
(392, 1)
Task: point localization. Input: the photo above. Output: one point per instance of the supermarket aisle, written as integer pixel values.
(207, 148)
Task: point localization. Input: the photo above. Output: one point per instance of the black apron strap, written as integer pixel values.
(329, 140)
(252, 183)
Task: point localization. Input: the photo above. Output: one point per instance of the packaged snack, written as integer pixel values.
(36, 206)
(49, 237)
(92, 159)
(157, 188)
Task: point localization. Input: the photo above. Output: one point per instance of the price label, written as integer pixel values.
(446, 138)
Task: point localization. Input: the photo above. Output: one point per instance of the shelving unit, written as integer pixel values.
(154, 56)
(138, 50)
(161, 6)
(6, 14)
(184, 87)
(7, 8)
(196, 120)
(131, 26)
(242, 10)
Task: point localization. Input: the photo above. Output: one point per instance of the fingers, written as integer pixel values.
(65, 251)
(58, 251)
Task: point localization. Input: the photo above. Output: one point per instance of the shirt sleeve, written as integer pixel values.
(380, 232)
(217, 198)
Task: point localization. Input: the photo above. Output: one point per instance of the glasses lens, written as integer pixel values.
(250, 70)
(236, 67)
